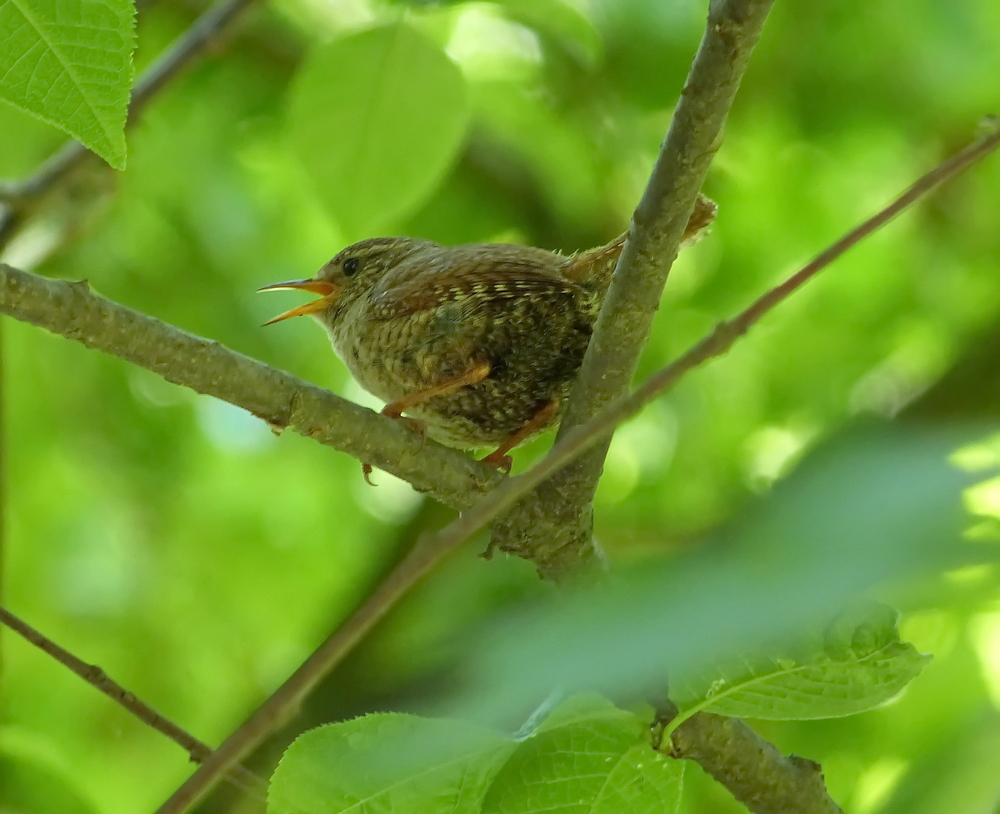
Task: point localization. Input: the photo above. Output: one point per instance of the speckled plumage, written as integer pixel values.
(480, 342)
(415, 314)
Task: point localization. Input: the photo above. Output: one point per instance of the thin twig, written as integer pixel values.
(19, 200)
(74, 311)
(96, 677)
(22, 199)
(421, 560)
(433, 549)
(552, 527)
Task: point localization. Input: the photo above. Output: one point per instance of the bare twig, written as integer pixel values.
(22, 199)
(552, 527)
(433, 549)
(74, 311)
(96, 677)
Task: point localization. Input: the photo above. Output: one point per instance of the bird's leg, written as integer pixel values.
(395, 409)
(499, 457)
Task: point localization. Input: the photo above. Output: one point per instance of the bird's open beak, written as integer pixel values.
(327, 291)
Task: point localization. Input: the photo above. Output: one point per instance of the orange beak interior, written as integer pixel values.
(326, 290)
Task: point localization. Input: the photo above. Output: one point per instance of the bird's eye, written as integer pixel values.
(351, 265)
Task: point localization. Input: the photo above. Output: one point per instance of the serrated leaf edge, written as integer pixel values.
(360, 802)
(117, 161)
(706, 702)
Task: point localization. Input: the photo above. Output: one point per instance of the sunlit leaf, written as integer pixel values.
(69, 62)
(376, 118)
(882, 505)
(844, 678)
(588, 757)
(388, 762)
(29, 786)
(560, 20)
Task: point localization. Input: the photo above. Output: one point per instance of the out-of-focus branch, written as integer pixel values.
(725, 335)
(22, 199)
(433, 549)
(96, 677)
(74, 311)
(751, 768)
(553, 526)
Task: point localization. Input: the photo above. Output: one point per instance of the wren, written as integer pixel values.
(480, 343)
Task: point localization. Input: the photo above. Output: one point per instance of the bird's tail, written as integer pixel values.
(595, 267)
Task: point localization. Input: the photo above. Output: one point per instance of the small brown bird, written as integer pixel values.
(480, 343)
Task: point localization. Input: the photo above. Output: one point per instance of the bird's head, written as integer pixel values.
(354, 271)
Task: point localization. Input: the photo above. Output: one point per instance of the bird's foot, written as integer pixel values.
(418, 427)
(500, 460)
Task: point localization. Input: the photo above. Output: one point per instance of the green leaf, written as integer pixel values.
(376, 118)
(69, 62)
(860, 667)
(561, 21)
(30, 783)
(588, 757)
(883, 504)
(388, 762)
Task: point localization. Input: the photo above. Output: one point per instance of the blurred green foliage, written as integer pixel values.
(70, 64)
(197, 558)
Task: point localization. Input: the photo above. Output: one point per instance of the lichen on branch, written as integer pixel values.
(74, 311)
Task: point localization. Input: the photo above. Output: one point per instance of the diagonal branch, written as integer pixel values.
(74, 311)
(96, 677)
(552, 526)
(581, 438)
(433, 549)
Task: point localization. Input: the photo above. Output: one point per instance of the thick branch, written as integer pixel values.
(553, 525)
(97, 678)
(72, 310)
(433, 549)
(753, 770)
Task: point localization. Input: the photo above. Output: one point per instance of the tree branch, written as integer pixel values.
(420, 561)
(553, 526)
(22, 199)
(96, 677)
(72, 310)
(751, 768)
(725, 335)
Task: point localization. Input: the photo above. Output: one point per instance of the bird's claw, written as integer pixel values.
(500, 460)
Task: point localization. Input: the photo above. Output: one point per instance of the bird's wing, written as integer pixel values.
(469, 288)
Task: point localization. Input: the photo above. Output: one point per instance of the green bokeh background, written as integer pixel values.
(176, 542)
